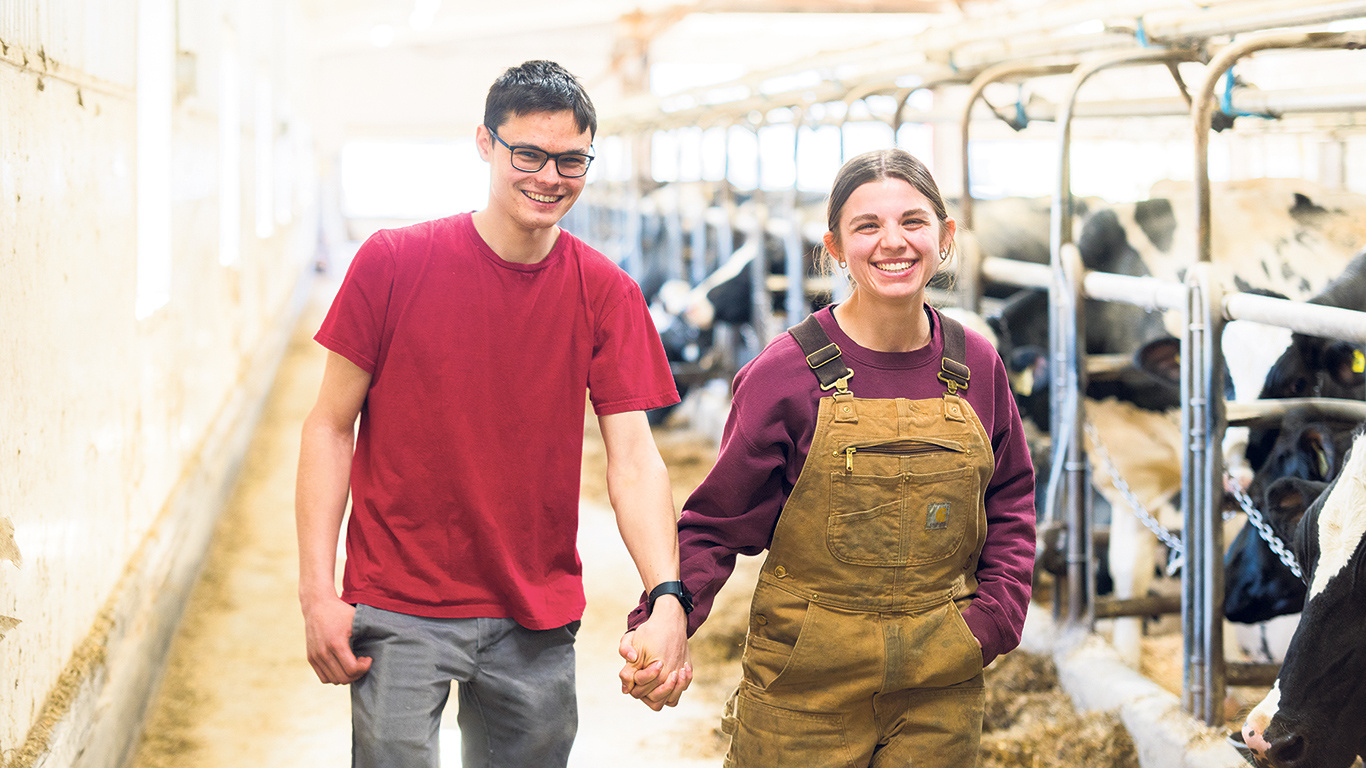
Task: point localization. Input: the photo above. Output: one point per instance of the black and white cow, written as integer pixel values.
(1283, 237)
(1257, 585)
(1313, 717)
(1320, 367)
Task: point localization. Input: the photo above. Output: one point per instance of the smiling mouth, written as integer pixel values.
(542, 198)
(894, 267)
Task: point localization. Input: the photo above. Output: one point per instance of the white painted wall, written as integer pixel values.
(121, 435)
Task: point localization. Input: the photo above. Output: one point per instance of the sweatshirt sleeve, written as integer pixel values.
(1005, 570)
(735, 509)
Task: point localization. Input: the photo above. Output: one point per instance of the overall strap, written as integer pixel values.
(953, 371)
(822, 354)
(824, 358)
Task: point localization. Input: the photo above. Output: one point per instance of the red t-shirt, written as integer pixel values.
(465, 480)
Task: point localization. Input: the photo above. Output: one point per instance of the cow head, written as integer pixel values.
(1307, 447)
(1313, 715)
(1313, 366)
(1257, 585)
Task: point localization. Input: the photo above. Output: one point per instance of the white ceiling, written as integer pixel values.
(431, 77)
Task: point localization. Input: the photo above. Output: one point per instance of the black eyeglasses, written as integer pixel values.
(570, 165)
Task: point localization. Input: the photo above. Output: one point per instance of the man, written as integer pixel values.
(465, 346)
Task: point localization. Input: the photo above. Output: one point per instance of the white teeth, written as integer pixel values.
(899, 266)
(541, 198)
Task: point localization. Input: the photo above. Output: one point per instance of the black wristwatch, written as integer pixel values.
(674, 588)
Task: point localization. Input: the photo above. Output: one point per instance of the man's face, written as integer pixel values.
(533, 201)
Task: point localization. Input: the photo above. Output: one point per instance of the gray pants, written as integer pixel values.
(518, 707)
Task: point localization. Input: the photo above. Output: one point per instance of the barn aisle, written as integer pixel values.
(238, 690)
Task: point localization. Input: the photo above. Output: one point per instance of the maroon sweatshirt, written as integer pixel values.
(768, 435)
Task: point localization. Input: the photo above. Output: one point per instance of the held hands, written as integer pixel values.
(327, 631)
(658, 669)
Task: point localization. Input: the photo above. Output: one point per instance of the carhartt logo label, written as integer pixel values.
(938, 516)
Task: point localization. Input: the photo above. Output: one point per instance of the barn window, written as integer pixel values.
(155, 94)
(229, 152)
(411, 180)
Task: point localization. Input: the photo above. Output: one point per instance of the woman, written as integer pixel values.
(876, 452)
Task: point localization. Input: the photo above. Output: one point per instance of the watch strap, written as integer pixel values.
(674, 588)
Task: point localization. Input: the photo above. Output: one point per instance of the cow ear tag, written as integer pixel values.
(1358, 361)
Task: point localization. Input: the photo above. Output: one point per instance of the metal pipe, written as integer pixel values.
(1074, 460)
(1241, 18)
(1151, 605)
(1192, 584)
(1141, 291)
(725, 232)
(1251, 673)
(1306, 101)
(1300, 317)
(673, 224)
(1069, 348)
(1271, 412)
(1191, 662)
(1206, 673)
(1203, 109)
(633, 256)
(795, 304)
(974, 47)
(1149, 292)
(761, 303)
(1212, 490)
(968, 285)
(697, 248)
(979, 84)
(1015, 272)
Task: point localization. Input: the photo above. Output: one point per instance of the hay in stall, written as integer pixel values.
(1030, 722)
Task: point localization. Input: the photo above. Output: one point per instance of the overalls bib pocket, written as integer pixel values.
(903, 519)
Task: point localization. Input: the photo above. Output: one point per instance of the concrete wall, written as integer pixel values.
(125, 416)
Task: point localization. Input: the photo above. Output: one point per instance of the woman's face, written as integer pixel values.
(891, 239)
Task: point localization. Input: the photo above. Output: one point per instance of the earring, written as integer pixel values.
(843, 264)
(944, 254)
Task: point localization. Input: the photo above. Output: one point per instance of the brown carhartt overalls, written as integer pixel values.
(857, 654)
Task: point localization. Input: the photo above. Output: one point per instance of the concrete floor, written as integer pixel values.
(238, 690)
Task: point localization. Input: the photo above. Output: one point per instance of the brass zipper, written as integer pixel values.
(902, 446)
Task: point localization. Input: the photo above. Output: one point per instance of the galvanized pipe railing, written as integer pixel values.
(794, 259)
(991, 75)
(761, 304)
(1205, 666)
(1067, 332)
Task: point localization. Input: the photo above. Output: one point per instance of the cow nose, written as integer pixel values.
(1287, 749)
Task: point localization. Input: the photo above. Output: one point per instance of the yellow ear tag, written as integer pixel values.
(1358, 361)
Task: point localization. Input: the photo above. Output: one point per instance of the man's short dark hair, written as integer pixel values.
(539, 86)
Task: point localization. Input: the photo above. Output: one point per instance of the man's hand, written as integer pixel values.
(327, 630)
(658, 668)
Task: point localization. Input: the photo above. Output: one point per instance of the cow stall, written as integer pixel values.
(1206, 671)
(784, 284)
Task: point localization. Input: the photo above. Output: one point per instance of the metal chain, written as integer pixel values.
(1174, 544)
(1269, 536)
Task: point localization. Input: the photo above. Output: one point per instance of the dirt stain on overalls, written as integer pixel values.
(857, 653)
